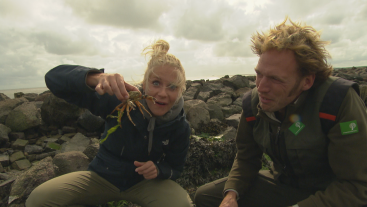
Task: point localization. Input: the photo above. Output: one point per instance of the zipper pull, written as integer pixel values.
(277, 136)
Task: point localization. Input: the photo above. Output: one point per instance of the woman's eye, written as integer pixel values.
(155, 83)
(172, 87)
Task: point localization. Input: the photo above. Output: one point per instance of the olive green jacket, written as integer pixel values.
(334, 166)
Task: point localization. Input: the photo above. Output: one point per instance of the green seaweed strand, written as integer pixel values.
(113, 129)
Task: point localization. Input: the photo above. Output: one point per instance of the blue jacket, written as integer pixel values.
(116, 156)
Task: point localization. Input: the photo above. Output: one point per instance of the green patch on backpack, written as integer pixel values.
(349, 127)
(296, 127)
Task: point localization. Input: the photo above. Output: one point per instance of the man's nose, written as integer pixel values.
(263, 85)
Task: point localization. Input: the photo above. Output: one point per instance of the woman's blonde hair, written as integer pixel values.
(159, 57)
(305, 43)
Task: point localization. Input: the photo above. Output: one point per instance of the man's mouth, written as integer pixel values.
(264, 100)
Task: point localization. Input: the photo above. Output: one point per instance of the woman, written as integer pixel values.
(135, 163)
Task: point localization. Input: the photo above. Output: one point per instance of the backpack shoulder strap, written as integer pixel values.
(247, 108)
(332, 101)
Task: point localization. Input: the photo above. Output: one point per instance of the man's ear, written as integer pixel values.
(308, 82)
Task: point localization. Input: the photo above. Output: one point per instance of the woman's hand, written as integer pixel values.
(113, 84)
(147, 169)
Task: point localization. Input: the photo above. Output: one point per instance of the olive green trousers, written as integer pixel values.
(265, 192)
(88, 188)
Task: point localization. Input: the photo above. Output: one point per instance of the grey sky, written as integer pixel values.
(210, 37)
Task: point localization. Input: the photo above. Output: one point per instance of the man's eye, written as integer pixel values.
(155, 83)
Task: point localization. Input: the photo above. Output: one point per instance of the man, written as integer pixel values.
(312, 165)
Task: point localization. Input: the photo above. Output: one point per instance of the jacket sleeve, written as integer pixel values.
(347, 152)
(247, 162)
(172, 165)
(68, 82)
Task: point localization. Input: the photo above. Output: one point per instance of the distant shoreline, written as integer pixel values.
(38, 90)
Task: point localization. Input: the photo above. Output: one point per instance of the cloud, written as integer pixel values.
(65, 44)
(135, 14)
(201, 23)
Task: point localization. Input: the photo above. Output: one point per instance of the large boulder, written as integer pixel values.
(223, 99)
(23, 117)
(30, 179)
(70, 162)
(78, 143)
(3, 97)
(58, 112)
(90, 122)
(197, 113)
(4, 133)
(209, 90)
(6, 106)
(236, 82)
(192, 92)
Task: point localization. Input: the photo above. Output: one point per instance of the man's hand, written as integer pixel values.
(147, 169)
(113, 84)
(230, 200)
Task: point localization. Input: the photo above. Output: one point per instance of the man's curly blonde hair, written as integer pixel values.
(303, 40)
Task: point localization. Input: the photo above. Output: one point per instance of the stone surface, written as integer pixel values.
(4, 133)
(19, 144)
(30, 179)
(78, 143)
(23, 117)
(21, 164)
(70, 162)
(16, 156)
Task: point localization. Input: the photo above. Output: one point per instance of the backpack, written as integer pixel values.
(329, 108)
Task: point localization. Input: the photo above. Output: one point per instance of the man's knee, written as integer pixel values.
(210, 194)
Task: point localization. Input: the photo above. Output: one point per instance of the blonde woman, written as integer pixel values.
(141, 159)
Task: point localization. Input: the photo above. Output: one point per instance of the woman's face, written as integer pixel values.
(160, 86)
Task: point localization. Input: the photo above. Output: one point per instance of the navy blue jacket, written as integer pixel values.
(116, 156)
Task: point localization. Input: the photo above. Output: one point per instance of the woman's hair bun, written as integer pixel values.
(158, 48)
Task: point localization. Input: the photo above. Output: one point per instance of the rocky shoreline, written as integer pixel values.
(42, 136)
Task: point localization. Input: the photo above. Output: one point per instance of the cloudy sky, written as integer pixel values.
(210, 37)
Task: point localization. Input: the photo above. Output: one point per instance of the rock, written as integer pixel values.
(33, 149)
(56, 111)
(34, 157)
(92, 149)
(31, 96)
(16, 135)
(18, 95)
(52, 146)
(23, 117)
(192, 92)
(21, 164)
(30, 179)
(4, 160)
(19, 144)
(78, 143)
(197, 113)
(16, 156)
(1, 169)
(236, 82)
(5, 188)
(4, 131)
(222, 99)
(6, 106)
(68, 130)
(209, 90)
(232, 109)
(215, 111)
(233, 120)
(90, 122)
(238, 102)
(3, 97)
(70, 162)
(229, 133)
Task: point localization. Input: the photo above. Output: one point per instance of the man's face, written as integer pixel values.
(278, 81)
